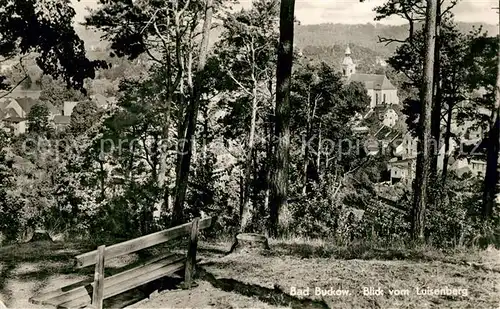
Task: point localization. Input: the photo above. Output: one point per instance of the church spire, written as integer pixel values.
(348, 66)
(347, 51)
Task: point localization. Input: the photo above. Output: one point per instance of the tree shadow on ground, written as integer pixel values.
(40, 262)
(274, 296)
(42, 259)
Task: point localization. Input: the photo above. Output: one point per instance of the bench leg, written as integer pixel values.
(191, 254)
(98, 291)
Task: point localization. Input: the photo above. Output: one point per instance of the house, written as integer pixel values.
(478, 167)
(100, 100)
(406, 147)
(17, 125)
(54, 111)
(26, 104)
(15, 111)
(68, 107)
(61, 121)
(390, 118)
(379, 87)
(22, 106)
(10, 107)
(402, 171)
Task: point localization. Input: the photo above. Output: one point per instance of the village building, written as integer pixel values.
(379, 87)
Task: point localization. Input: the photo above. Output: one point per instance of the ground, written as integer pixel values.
(275, 278)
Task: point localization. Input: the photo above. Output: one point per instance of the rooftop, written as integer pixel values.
(14, 119)
(26, 103)
(60, 119)
(373, 81)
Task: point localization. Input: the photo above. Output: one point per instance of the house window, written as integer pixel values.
(376, 98)
(384, 97)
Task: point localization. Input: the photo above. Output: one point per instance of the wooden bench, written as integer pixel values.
(91, 293)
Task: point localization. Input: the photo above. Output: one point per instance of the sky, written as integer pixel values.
(353, 11)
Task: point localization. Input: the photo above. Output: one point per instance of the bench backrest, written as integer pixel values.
(136, 244)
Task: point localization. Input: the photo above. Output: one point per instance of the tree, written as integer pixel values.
(45, 27)
(322, 105)
(423, 157)
(55, 92)
(84, 116)
(279, 212)
(455, 86)
(166, 32)
(246, 55)
(38, 120)
(491, 177)
(414, 11)
(190, 120)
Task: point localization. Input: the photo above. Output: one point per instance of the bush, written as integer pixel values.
(315, 215)
(453, 212)
(12, 220)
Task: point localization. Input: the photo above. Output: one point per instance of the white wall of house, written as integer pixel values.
(478, 167)
(408, 147)
(402, 171)
(372, 97)
(441, 154)
(68, 107)
(383, 97)
(391, 96)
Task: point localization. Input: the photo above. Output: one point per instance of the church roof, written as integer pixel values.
(373, 81)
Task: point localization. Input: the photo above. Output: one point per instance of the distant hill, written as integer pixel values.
(365, 58)
(364, 35)
(323, 41)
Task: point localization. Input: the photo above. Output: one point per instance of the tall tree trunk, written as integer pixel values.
(422, 173)
(306, 149)
(447, 136)
(311, 113)
(246, 211)
(164, 145)
(279, 188)
(318, 157)
(191, 117)
(102, 180)
(269, 150)
(491, 177)
(436, 109)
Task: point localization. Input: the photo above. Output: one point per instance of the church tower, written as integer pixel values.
(348, 66)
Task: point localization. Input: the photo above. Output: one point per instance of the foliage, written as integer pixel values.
(112, 173)
(46, 27)
(38, 120)
(455, 220)
(55, 92)
(84, 116)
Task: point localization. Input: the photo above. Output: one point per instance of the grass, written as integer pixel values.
(293, 262)
(309, 263)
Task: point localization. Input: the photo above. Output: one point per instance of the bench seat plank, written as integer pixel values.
(85, 290)
(116, 289)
